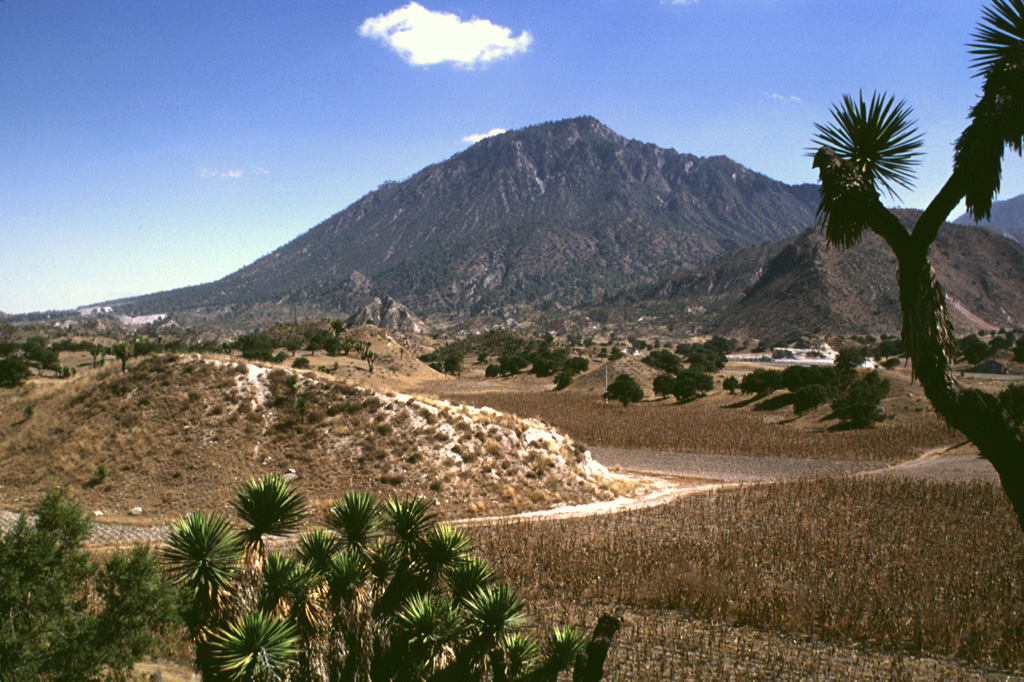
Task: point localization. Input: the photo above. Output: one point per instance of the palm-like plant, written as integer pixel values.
(355, 518)
(270, 506)
(854, 169)
(202, 558)
(386, 594)
(255, 648)
(877, 137)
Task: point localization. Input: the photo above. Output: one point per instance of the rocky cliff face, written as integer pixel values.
(389, 314)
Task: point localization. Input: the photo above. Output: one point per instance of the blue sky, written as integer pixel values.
(147, 145)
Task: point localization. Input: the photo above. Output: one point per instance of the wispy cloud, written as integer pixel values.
(784, 98)
(422, 37)
(679, 2)
(259, 170)
(473, 139)
(213, 173)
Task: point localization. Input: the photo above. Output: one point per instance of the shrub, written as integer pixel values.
(796, 377)
(301, 363)
(51, 631)
(860, 403)
(810, 397)
(625, 390)
(761, 382)
(13, 371)
(690, 383)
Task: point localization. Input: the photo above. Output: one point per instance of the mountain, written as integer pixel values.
(804, 285)
(1007, 219)
(560, 214)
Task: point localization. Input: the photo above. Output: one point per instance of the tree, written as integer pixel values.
(870, 147)
(51, 630)
(13, 371)
(859, 404)
(810, 397)
(850, 358)
(730, 383)
(383, 592)
(690, 383)
(664, 384)
(123, 351)
(761, 382)
(625, 390)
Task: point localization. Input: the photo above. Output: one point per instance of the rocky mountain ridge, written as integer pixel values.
(558, 214)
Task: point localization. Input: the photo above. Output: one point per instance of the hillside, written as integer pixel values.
(803, 285)
(177, 433)
(1007, 219)
(561, 214)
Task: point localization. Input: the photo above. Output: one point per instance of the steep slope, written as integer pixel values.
(180, 433)
(803, 285)
(1007, 219)
(564, 212)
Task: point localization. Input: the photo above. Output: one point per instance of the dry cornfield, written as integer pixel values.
(856, 578)
(726, 424)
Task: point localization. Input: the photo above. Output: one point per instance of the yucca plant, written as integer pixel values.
(269, 506)
(255, 648)
(868, 148)
(385, 594)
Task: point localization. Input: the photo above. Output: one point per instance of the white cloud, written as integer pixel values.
(213, 173)
(679, 2)
(422, 37)
(259, 170)
(784, 98)
(473, 139)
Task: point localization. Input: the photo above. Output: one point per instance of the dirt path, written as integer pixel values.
(661, 478)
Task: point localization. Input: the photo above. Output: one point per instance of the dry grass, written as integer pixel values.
(728, 424)
(891, 565)
(180, 433)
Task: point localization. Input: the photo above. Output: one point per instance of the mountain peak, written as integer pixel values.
(565, 212)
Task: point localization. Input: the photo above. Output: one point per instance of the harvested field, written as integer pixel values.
(726, 425)
(899, 567)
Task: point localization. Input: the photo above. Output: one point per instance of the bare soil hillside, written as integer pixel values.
(176, 433)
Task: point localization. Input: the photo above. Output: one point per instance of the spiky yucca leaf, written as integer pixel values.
(443, 546)
(428, 620)
(999, 39)
(347, 574)
(202, 556)
(356, 517)
(878, 137)
(255, 647)
(317, 548)
(997, 119)
(561, 647)
(521, 654)
(495, 609)
(408, 520)
(465, 577)
(270, 506)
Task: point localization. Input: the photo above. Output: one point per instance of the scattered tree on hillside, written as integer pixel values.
(52, 628)
(625, 390)
(384, 592)
(761, 382)
(123, 351)
(14, 369)
(730, 383)
(871, 146)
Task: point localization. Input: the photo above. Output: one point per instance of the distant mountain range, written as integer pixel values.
(561, 214)
(1007, 219)
(803, 285)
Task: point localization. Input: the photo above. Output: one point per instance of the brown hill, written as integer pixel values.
(803, 285)
(179, 433)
